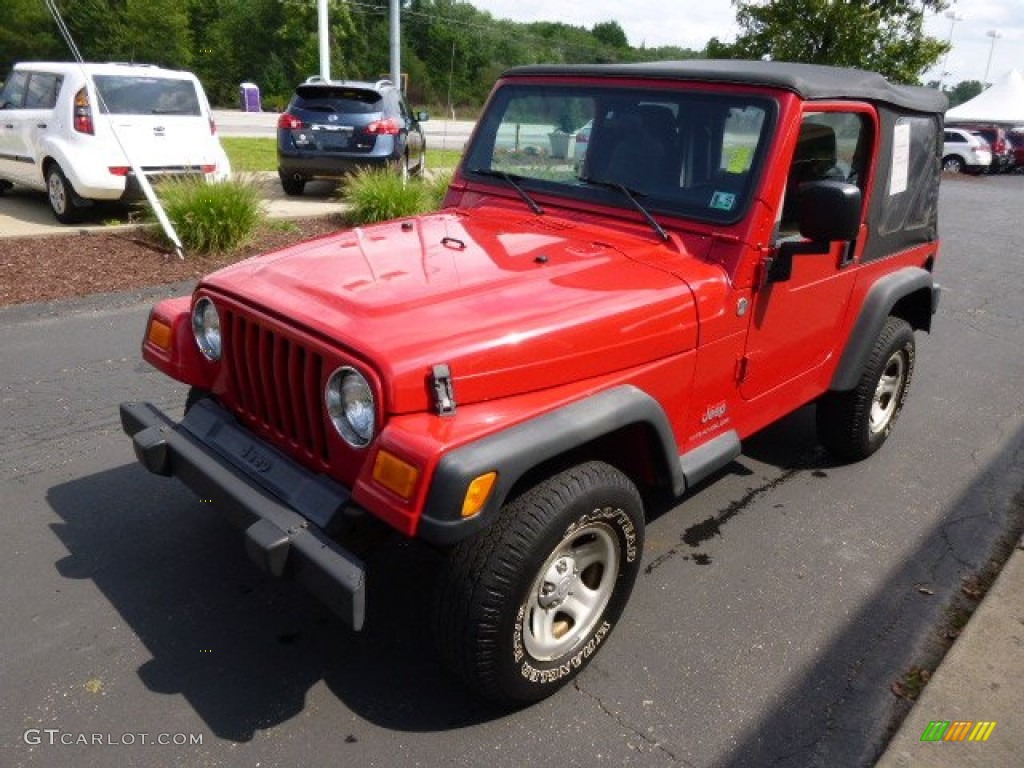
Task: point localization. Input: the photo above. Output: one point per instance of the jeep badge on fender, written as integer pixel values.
(713, 245)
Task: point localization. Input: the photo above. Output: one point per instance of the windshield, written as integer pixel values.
(681, 152)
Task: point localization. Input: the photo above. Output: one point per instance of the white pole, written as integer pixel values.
(396, 45)
(325, 40)
(994, 34)
(953, 19)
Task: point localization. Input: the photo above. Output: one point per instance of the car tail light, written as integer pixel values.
(119, 170)
(389, 126)
(209, 168)
(289, 122)
(83, 113)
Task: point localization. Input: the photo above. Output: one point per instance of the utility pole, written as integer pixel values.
(324, 38)
(396, 44)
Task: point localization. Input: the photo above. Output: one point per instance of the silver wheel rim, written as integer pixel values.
(58, 195)
(887, 393)
(570, 592)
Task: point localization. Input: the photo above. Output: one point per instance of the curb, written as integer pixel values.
(980, 680)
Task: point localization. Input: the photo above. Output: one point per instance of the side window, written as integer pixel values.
(42, 91)
(13, 94)
(912, 191)
(831, 145)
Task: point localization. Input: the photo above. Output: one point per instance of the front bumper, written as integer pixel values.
(283, 508)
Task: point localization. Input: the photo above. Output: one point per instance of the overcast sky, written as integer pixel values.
(691, 24)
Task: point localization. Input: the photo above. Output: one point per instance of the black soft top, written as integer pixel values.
(810, 81)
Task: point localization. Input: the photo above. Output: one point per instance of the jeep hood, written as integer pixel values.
(511, 302)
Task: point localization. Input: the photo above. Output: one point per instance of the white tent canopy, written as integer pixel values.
(1002, 102)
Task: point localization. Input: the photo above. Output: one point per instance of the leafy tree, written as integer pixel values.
(964, 91)
(886, 36)
(27, 32)
(611, 34)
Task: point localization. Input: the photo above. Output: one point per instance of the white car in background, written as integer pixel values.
(964, 151)
(69, 129)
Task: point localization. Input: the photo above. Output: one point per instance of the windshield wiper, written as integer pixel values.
(631, 195)
(511, 179)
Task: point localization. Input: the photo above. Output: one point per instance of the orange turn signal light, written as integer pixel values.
(478, 493)
(159, 334)
(395, 474)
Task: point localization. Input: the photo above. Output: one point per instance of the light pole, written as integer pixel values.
(953, 17)
(994, 34)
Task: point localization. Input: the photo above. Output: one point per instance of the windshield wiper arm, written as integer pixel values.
(511, 179)
(631, 195)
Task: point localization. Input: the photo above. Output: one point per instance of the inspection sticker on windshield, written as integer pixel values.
(723, 201)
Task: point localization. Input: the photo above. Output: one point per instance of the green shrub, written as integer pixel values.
(436, 188)
(211, 218)
(379, 195)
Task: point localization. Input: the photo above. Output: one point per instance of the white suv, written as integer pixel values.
(69, 129)
(965, 152)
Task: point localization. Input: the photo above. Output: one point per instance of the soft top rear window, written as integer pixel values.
(141, 95)
(351, 101)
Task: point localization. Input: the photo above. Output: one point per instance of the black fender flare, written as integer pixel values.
(878, 305)
(515, 451)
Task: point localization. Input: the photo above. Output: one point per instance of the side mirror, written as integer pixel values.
(423, 116)
(829, 211)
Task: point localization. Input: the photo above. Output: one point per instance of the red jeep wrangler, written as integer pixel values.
(505, 378)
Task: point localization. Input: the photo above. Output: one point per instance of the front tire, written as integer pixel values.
(524, 605)
(853, 425)
(953, 164)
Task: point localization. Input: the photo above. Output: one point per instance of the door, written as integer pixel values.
(794, 323)
(12, 155)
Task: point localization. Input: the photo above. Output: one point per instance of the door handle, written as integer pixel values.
(40, 125)
(9, 125)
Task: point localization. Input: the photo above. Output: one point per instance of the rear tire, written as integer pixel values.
(853, 425)
(525, 604)
(292, 187)
(421, 168)
(61, 196)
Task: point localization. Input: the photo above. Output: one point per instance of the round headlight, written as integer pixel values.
(206, 328)
(350, 405)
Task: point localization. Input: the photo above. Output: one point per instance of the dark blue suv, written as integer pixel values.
(334, 127)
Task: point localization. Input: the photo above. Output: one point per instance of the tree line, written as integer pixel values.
(451, 51)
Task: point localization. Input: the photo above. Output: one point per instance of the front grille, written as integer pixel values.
(275, 386)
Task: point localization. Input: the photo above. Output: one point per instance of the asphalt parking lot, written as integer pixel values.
(775, 608)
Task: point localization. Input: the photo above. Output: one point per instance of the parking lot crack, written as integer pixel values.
(645, 737)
